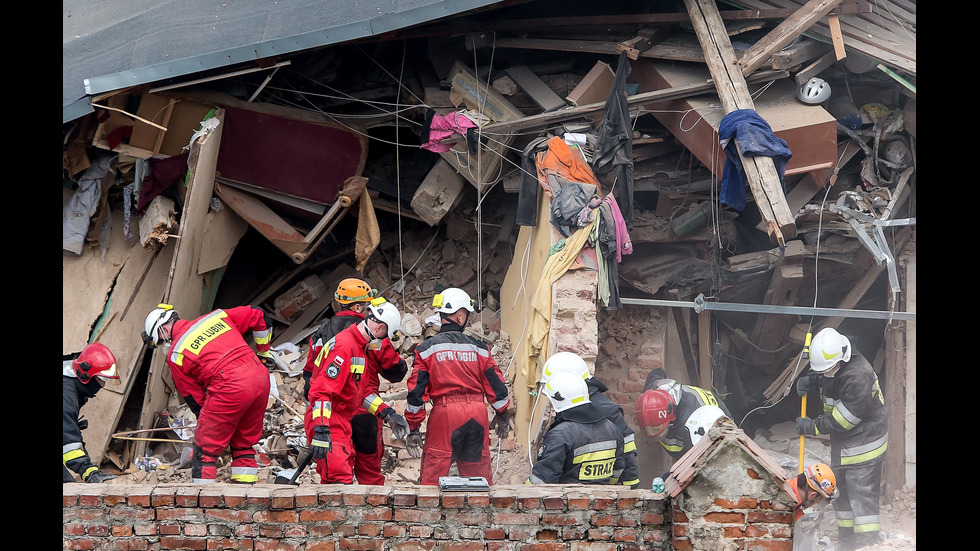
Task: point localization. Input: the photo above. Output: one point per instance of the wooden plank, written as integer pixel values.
(543, 120)
(533, 86)
(799, 53)
(763, 180)
(836, 37)
(907, 261)
(704, 348)
(815, 68)
(184, 287)
(439, 192)
(770, 329)
(784, 33)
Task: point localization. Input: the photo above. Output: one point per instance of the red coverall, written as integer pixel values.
(455, 372)
(366, 427)
(336, 396)
(211, 364)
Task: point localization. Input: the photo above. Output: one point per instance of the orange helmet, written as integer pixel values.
(96, 360)
(822, 479)
(655, 412)
(354, 290)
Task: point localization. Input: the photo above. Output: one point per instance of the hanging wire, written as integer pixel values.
(816, 288)
(398, 172)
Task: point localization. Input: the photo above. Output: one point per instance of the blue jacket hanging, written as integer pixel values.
(756, 138)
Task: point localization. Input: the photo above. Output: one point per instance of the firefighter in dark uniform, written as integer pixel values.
(664, 408)
(82, 378)
(354, 295)
(573, 363)
(855, 417)
(456, 373)
(581, 446)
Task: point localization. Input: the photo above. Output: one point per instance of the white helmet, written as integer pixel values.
(814, 91)
(566, 390)
(154, 320)
(562, 362)
(702, 420)
(451, 300)
(827, 348)
(386, 313)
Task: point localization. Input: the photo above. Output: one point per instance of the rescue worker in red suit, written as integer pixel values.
(336, 394)
(456, 373)
(354, 296)
(83, 376)
(224, 382)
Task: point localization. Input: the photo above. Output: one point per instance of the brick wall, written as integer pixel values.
(331, 517)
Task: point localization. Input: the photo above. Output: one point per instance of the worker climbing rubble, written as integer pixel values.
(581, 446)
(573, 363)
(381, 360)
(855, 417)
(223, 381)
(83, 376)
(336, 395)
(456, 373)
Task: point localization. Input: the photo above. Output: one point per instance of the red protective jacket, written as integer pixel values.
(456, 373)
(215, 369)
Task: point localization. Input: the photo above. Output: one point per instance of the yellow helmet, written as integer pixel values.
(354, 290)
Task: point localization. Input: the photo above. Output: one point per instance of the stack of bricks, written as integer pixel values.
(743, 523)
(332, 517)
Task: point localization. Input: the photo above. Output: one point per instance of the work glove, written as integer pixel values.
(321, 444)
(397, 423)
(807, 426)
(414, 442)
(501, 423)
(98, 476)
(268, 360)
(808, 383)
(82, 423)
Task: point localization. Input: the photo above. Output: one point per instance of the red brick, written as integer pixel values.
(227, 515)
(546, 535)
(283, 517)
(79, 545)
(294, 532)
(183, 543)
(477, 518)
(377, 500)
(321, 530)
(378, 514)
(503, 502)
(494, 534)
(321, 546)
(680, 531)
(544, 546)
(626, 502)
(578, 503)
(525, 503)
(769, 545)
(475, 500)
(145, 529)
(358, 545)
(73, 529)
(450, 501)
(419, 531)
(393, 531)
(321, 515)
(347, 530)
(226, 544)
(195, 529)
(354, 499)
(121, 531)
(275, 545)
(526, 519)
(161, 498)
(426, 502)
(413, 546)
(273, 531)
(132, 545)
(601, 503)
(283, 502)
(733, 532)
(725, 518)
(682, 545)
(622, 534)
(554, 503)
(406, 500)
(369, 529)
(740, 503)
(755, 531)
(770, 516)
(561, 519)
(413, 515)
(654, 519)
(604, 520)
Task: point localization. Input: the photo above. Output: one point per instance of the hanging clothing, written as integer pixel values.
(439, 127)
(163, 174)
(81, 206)
(527, 195)
(614, 143)
(755, 138)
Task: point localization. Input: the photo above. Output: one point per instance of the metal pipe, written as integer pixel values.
(700, 304)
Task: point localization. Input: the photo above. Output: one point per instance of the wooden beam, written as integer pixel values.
(784, 33)
(836, 36)
(760, 171)
(771, 329)
(544, 120)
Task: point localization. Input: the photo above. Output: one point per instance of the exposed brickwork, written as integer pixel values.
(315, 518)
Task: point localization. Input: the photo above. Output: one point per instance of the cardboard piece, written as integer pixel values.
(594, 87)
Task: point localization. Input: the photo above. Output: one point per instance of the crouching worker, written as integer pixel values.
(816, 485)
(581, 446)
(82, 378)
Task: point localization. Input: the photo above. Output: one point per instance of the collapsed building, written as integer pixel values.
(413, 157)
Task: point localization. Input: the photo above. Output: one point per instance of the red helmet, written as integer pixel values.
(95, 361)
(655, 412)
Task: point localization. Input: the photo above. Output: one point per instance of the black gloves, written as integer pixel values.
(321, 444)
(193, 406)
(808, 383)
(267, 359)
(397, 423)
(501, 422)
(807, 426)
(82, 423)
(98, 476)
(414, 442)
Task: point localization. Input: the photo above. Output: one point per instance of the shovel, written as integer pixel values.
(296, 472)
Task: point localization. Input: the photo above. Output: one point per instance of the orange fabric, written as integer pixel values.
(561, 159)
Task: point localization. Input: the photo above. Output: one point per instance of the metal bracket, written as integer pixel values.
(878, 246)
